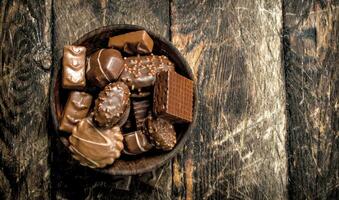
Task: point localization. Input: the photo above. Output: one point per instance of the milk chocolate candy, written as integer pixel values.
(93, 146)
(140, 108)
(73, 70)
(161, 132)
(136, 143)
(76, 108)
(111, 104)
(138, 42)
(140, 71)
(173, 97)
(103, 67)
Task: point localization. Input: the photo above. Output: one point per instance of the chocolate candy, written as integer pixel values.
(95, 147)
(140, 71)
(140, 109)
(73, 70)
(111, 104)
(138, 42)
(76, 108)
(173, 97)
(162, 133)
(104, 66)
(136, 143)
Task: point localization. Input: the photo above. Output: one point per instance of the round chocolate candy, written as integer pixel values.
(93, 146)
(112, 105)
(162, 133)
(103, 67)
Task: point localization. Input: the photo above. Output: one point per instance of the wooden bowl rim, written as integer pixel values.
(166, 156)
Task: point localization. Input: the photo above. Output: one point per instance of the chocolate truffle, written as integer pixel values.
(136, 142)
(138, 42)
(162, 133)
(140, 71)
(93, 146)
(111, 104)
(76, 108)
(173, 97)
(73, 70)
(103, 67)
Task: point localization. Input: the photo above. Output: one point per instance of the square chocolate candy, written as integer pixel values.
(73, 70)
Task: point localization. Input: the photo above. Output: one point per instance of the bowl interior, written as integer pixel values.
(97, 39)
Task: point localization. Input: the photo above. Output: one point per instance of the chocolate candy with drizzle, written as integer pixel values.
(161, 132)
(136, 143)
(103, 67)
(138, 42)
(73, 70)
(77, 107)
(140, 71)
(112, 104)
(93, 146)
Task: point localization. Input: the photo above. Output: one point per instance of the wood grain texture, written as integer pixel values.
(72, 20)
(25, 59)
(311, 41)
(238, 148)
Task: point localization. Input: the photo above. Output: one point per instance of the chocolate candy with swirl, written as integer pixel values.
(73, 71)
(77, 107)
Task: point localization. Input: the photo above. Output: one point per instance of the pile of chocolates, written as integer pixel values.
(140, 97)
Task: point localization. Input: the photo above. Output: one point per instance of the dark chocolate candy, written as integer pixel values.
(173, 97)
(141, 109)
(161, 132)
(73, 70)
(93, 146)
(111, 104)
(140, 71)
(103, 67)
(76, 108)
(138, 42)
(136, 143)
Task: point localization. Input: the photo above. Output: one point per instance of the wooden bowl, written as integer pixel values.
(95, 40)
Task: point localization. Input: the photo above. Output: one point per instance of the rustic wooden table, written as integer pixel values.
(267, 75)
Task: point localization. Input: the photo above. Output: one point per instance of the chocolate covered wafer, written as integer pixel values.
(111, 104)
(103, 67)
(161, 132)
(140, 71)
(141, 109)
(73, 70)
(76, 108)
(136, 142)
(93, 146)
(173, 97)
(138, 42)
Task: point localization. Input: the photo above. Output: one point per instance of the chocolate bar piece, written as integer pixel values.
(140, 108)
(138, 42)
(136, 143)
(111, 104)
(103, 67)
(173, 97)
(140, 71)
(76, 108)
(93, 146)
(73, 70)
(162, 133)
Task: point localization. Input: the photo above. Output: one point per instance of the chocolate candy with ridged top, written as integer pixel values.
(140, 71)
(136, 143)
(103, 67)
(76, 108)
(161, 132)
(111, 104)
(138, 42)
(93, 146)
(141, 108)
(73, 67)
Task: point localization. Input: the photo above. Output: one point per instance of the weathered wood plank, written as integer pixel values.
(25, 57)
(72, 20)
(238, 147)
(311, 63)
